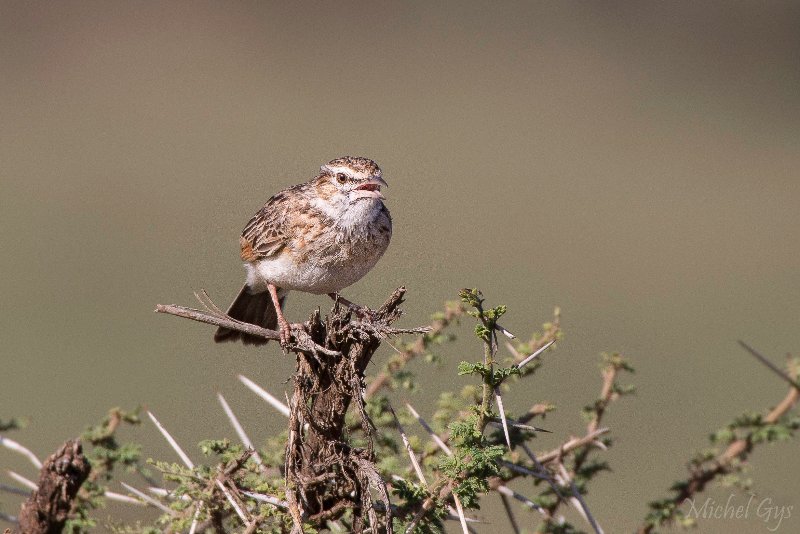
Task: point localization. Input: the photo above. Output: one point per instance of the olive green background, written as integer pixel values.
(635, 163)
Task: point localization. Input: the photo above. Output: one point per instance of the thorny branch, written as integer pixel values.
(487, 319)
(700, 475)
(332, 479)
(451, 313)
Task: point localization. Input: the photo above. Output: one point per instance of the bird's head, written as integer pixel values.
(352, 179)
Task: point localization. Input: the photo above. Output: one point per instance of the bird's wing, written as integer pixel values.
(265, 234)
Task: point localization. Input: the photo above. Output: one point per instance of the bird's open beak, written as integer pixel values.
(371, 188)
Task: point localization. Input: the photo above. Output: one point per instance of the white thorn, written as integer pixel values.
(499, 399)
(146, 498)
(535, 354)
(505, 332)
(430, 431)
(22, 480)
(234, 504)
(409, 450)
(174, 444)
(261, 392)
(245, 439)
(21, 449)
(195, 518)
(267, 499)
(460, 510)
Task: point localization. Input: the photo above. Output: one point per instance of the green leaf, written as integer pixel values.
(466, 368)
(471, 297)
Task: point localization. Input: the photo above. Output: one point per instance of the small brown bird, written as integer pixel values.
(319, 237)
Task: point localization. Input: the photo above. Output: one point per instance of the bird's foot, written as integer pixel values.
(286, 332)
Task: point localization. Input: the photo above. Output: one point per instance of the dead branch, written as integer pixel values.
(213, 317)
(60, 478)
(325, 474)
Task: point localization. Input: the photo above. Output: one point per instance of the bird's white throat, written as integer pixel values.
(361, 212)
(352, 216)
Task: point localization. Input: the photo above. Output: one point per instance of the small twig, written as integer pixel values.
(579, 498)
(537, 410)
(383, 331)
(427, 505)
(208, 304)
(505, 491)
(489, 351)
(452, 515)
(607, 394)
(510, 514)
(304, 344)
(253, 526)
(572, 444)
(225, 321)
(264, 394)
(522, 470)
(542, 469)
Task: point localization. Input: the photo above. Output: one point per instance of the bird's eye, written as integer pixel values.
(341, 178)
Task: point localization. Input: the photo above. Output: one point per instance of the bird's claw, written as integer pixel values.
(286, 334)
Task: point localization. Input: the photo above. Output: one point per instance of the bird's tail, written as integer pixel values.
(253, 308)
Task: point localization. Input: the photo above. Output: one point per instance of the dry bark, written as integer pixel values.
(60, 478)
(325, 474)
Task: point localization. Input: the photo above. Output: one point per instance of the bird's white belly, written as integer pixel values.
(309, 276)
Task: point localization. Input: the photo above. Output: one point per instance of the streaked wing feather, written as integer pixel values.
(264, 235)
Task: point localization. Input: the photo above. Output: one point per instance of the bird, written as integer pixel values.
(317, 237)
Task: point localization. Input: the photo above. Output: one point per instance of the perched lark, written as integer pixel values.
(319, 237)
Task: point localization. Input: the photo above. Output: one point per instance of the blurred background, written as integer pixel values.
(634, 163)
